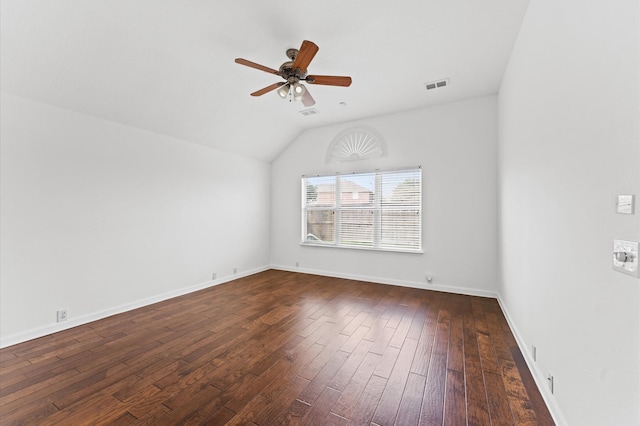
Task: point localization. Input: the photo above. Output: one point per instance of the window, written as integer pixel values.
(379, 210)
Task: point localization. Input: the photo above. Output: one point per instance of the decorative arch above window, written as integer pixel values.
(356, 143)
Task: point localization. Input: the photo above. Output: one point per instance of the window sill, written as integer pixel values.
(392, 250)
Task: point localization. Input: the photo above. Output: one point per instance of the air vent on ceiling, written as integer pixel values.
(310, 111)
(437, 84)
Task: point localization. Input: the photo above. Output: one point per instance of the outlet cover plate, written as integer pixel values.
(62, 315)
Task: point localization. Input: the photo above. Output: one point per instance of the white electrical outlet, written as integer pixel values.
(62, 315)
(297, 264)
(429, 278)
(214, 276)
(235, 270)
(534, 353)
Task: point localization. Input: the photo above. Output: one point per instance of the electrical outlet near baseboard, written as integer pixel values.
(235, 270)
(62, 315)
(214, 276)
(534, 352)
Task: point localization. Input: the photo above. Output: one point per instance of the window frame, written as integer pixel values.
(337, 209)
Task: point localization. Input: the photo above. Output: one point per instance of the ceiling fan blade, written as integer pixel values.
(267, 89)
(329, 80)
(306, 53)
(257, 66)
(307, 99)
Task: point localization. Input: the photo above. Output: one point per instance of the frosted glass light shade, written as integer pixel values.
(283, 91)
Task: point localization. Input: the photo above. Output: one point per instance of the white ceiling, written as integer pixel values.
(167, 66)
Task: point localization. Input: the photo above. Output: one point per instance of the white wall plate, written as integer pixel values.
(625, 257)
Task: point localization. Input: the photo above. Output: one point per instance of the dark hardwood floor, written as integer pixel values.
(280, 348)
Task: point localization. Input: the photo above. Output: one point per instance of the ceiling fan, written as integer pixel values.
(294, 71)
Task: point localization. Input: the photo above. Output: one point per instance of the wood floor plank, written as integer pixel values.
(387, 362)
(280, 401)
(102, 409)
(293, 414)
(31, 411)
(470, 333)
(356, 386)
(455, 356)
(517, 394)
(61, 362)
(397, 340)
(368, 402)
(411, 404)
(354, 339)
(390, 402)
(243, 395)
(396, 316)
(125, 419)
(311, 369)
(434, 396)
(381, 340)
(280, 348)
(500, 346)
(333, 419)
(8, 358)
(355, 323)
(499, 408)
(434, 393)
(477, 403)
(145, 397)
(320, 381)
(160, 370)
(345, 373)
(154, 416)
(426, 341)
(455, 407)
(249, 411)
(418, 320)
(22, 384)
(218, 418)
(321, 407)
(487, 354)
(276, 387)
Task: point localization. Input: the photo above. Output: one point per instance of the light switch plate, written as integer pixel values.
(625, 204)
(630, 264)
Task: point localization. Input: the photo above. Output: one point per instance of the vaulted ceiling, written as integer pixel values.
(167, 66)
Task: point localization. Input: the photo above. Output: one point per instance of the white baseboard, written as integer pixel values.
(538, 375)
(45, 330)
(402, 283)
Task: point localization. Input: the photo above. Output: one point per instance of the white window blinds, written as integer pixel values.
(376, 210)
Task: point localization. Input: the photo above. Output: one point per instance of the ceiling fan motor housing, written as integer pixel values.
(292, 75)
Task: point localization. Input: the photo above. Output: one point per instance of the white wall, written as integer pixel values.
(569, 143)
(456, 144)
(97, 217)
